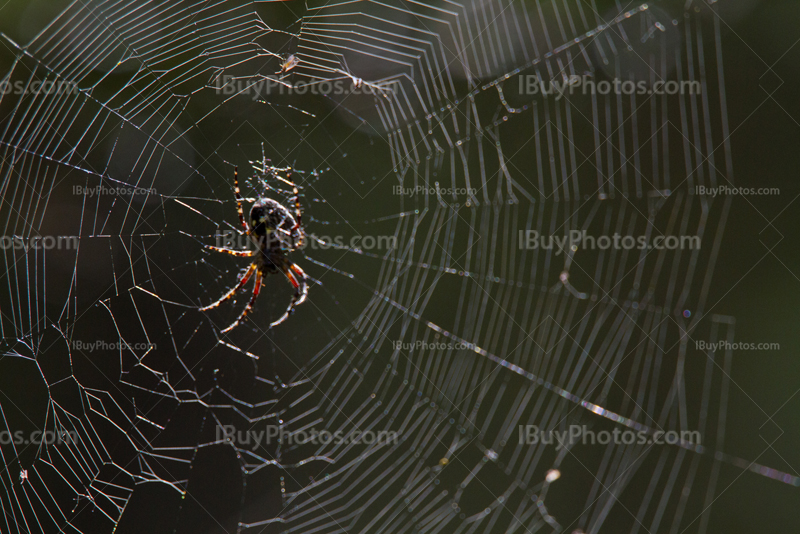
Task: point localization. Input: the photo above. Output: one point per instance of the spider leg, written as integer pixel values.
(256, 289)
(298, 221)
(298, 212)
(238, 253)
(238, 193)
(300, 290)
(248, 273)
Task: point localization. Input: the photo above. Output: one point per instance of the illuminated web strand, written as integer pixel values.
(768, 472)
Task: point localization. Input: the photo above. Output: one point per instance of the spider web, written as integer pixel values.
(502, 336)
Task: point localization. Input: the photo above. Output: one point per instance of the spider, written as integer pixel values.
(275, 232)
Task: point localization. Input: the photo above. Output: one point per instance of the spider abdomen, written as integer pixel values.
(267, 215)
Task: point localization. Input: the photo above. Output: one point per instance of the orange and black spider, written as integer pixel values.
(275, 232)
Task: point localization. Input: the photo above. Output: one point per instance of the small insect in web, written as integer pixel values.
(275, 231)
(291, 62)
(23, 476)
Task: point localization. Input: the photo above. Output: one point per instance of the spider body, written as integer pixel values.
(275, 232)
(273, 229)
